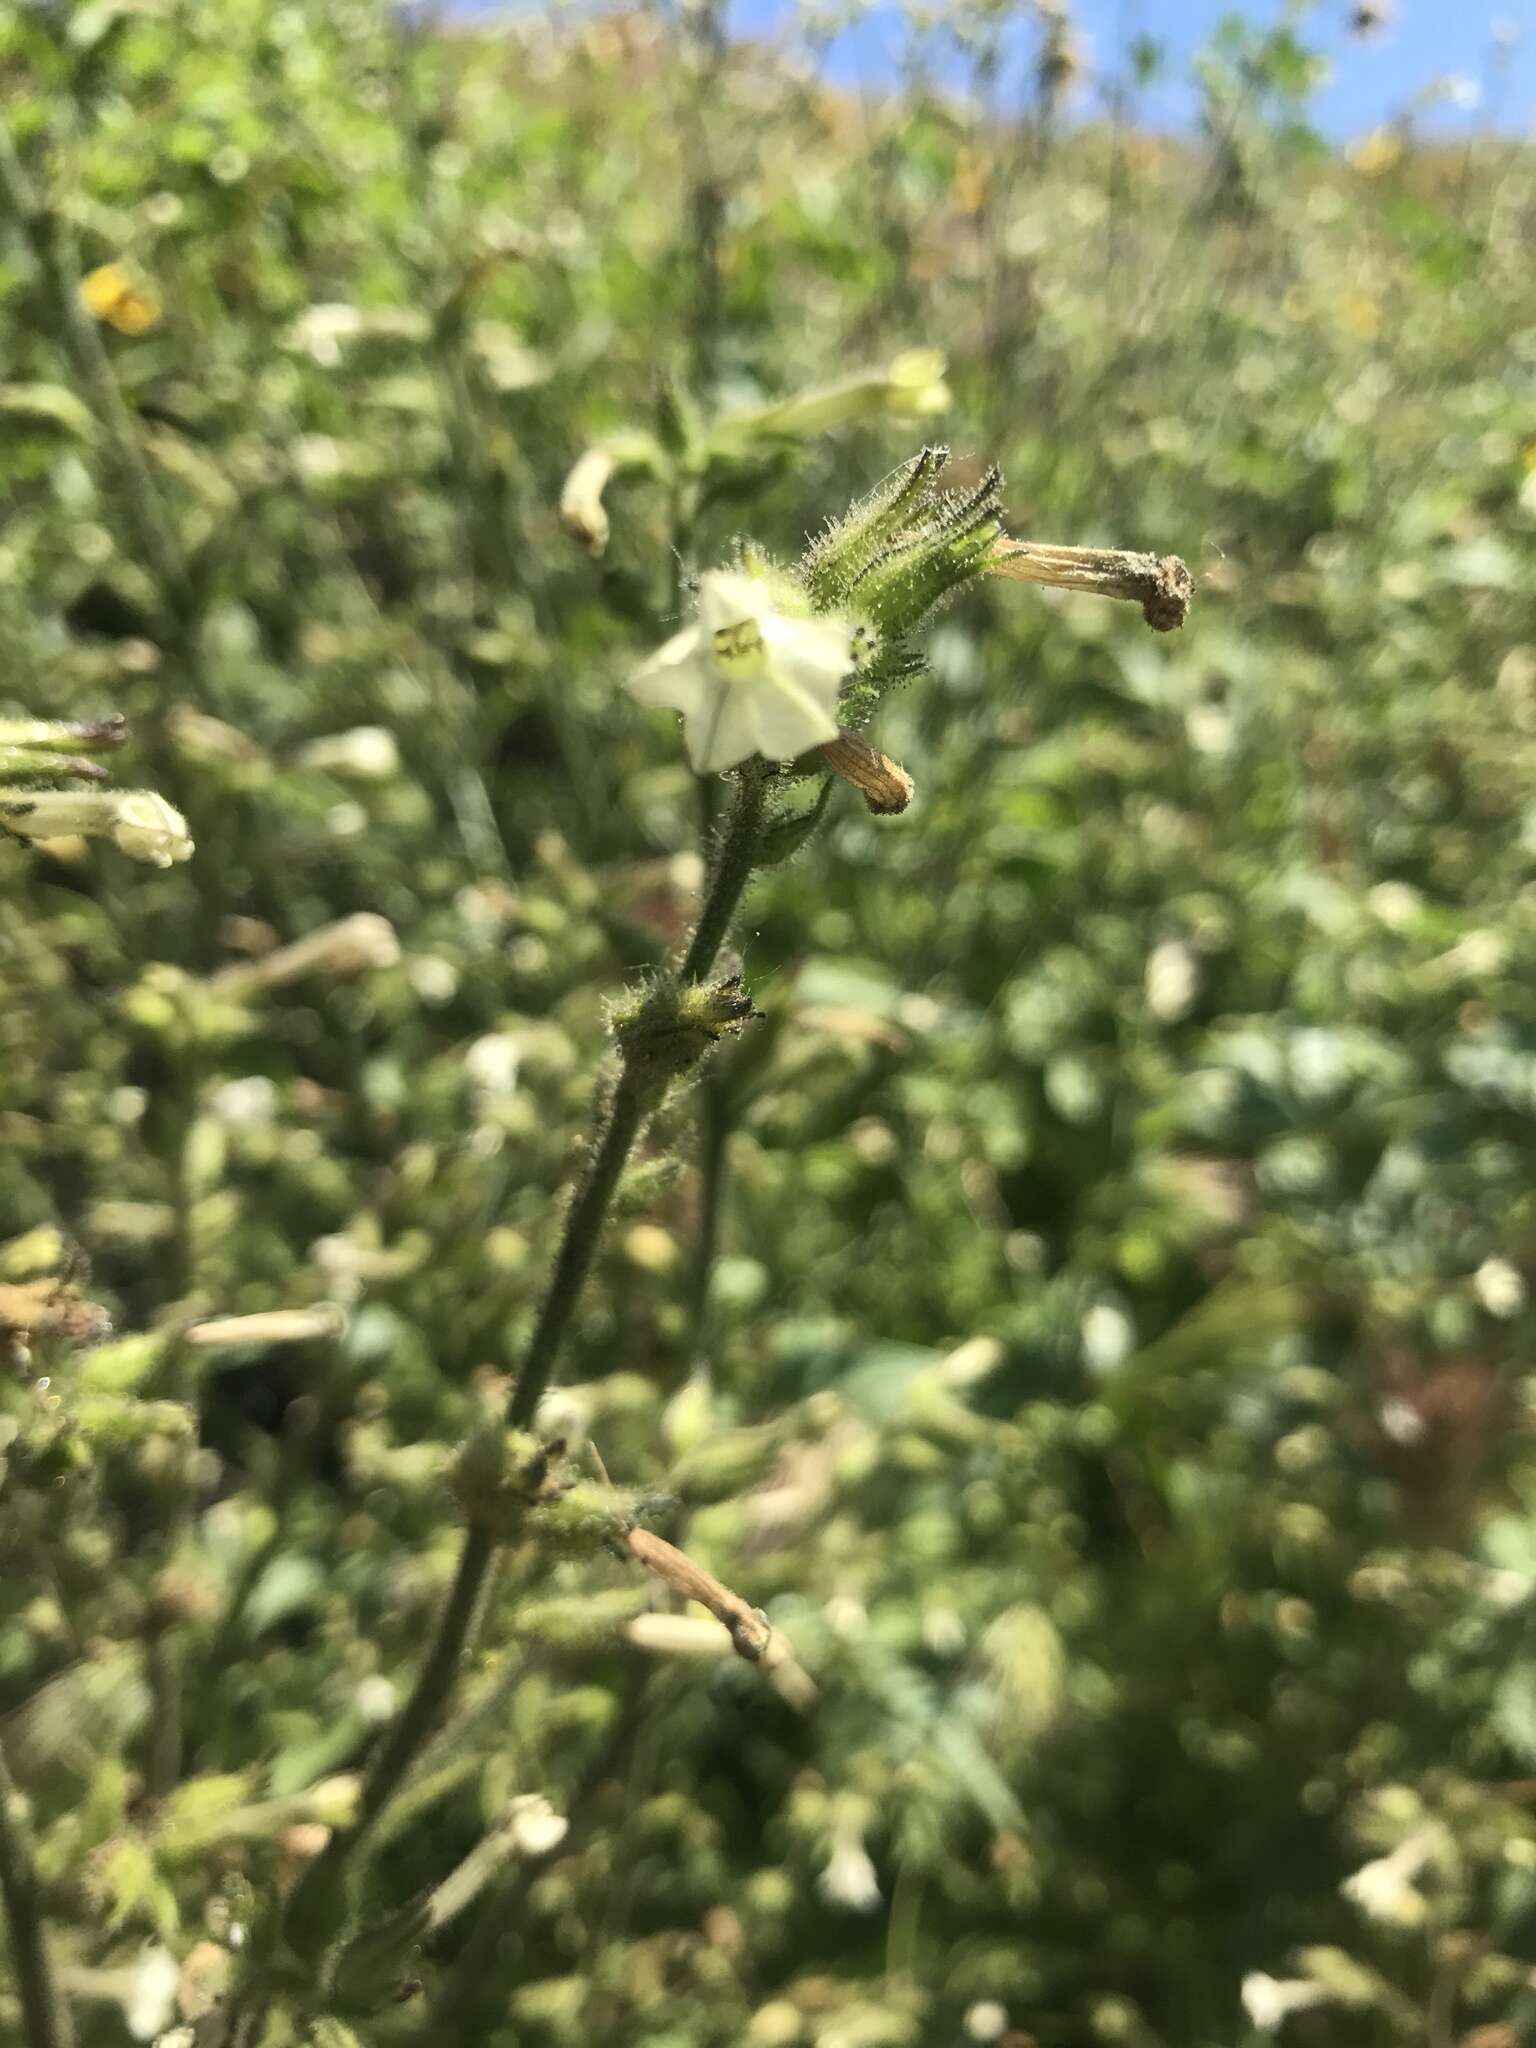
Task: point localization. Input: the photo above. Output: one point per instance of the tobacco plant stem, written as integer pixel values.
(734, 855)
(44, 2017)
(583, 1232)
(628, 1108)
(714, 1165)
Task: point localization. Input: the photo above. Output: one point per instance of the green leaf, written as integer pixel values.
(47, 405)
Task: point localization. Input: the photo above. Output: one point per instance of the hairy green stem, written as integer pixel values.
(318, 1902)
(44, 2017)
(714, 1130)
(434, 1683)
(734, 855)
(627, 1113)
(714, 1164)
(317, 1908)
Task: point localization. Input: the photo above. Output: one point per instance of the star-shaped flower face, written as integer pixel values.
(748, 678)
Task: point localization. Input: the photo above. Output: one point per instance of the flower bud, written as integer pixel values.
(902, 551)
(581, 502)
(32, 747)
(582, 512)
(666, 1028)
(140, 823)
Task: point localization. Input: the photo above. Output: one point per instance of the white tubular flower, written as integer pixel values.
(849, 1878)
(151, 2002)
(533, 1825)
(910, 387)
(148, 828)
(1269, 2001)
(137, 821)
(680, 1635)
(352, 945)
(581, 501)
(1499, 1287)
(915, 387)
(368, 753)
(748, 678)
(986, 2020)
(1384, 1889)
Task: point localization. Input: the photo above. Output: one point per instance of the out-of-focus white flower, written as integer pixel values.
(139, 822)
(1499, 1288)
(352, 945)
(346, 821)
(846, 1616)
(1268, 2001)
(1462, 92)
(434, 979)
(1172, 980)
(243, 1103)
(367, 752)
(377, 1699)
(1401, 1421)
(320, 330)
(849, 1878)
(581, 501)
(747, 677)
(534, 1825)
(1109, 1337)
(943, 1631)
(1384, 1889)
(492, 1062)
(914, 384)
(986, 2020)
(1210, 728)
(317, 457)
(150, 2005)
(909, 387)
(1397, 904)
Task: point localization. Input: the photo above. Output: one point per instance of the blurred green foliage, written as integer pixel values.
(1117, 1388)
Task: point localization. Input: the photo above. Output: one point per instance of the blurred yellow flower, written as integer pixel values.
(122, 297)
(1360, 314)
(968, 187)
(1377, 152)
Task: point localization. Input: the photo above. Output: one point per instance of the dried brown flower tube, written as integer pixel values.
(885, 786)
(752, 1637)
(1161, 585)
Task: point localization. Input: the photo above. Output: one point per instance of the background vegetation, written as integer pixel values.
(1114, 1380)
